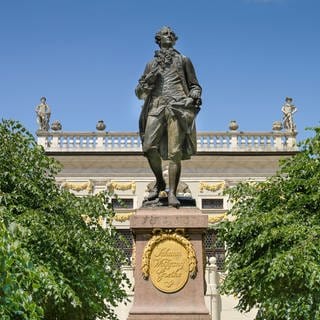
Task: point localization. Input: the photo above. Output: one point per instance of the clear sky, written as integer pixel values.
(86, 58)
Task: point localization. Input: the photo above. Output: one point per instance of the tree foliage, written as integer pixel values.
(273, 244)
(53, 264)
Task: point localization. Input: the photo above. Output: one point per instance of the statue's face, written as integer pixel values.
(43, 100)
(166, 38)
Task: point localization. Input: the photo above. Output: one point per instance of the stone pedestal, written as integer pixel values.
(174, 242)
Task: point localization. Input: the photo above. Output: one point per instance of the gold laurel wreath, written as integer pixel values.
(168, 235)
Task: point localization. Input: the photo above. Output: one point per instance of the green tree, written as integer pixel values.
(273, 244)
(18, 278)
(54, 265)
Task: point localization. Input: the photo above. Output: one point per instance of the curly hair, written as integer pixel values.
(159, 33)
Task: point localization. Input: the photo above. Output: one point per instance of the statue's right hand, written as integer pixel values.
(151, 77)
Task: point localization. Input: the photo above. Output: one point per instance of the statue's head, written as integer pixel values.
(43, 99)
(165, 37)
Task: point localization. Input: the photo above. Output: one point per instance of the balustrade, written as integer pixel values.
(130, 141)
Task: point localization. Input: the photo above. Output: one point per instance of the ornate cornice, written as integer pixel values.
(113, 185)
(122, 217)
(217, 218)
(77, 186)
(212, 187)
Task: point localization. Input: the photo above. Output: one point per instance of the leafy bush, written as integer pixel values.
(57, 265)
(273, 244)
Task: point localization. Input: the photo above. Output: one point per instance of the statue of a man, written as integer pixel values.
(288, 110)
(43, 114)
(171, 94)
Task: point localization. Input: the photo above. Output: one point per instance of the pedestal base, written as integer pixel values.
(187, 301)
(169, 317)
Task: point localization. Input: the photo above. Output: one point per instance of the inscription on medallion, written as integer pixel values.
(169, 266)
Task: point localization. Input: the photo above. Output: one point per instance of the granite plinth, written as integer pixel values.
(188, 302)
(163, 202)
(149, 218)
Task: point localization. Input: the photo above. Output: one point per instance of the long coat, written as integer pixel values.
(186, 118)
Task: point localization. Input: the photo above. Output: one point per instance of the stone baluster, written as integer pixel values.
(128, 143)
(244, 141)
(136, 141)
(64, 142)
(225, 141)
(199, 141)
(204, 141)
(263, 142)
(212, 289)
(109, 142)
(77, 141)
(83, 142)
(250, 141)
(91, 142)
(256, 141)
(268, 141)
(211, 142)
(218, 141)
(71, 142)
(123, 143)
(116, 142)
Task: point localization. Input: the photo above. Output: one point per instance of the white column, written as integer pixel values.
(278, 142)
(55, 142)
(42, 141)
(212, 289)
(234, 141)
(292, 141)
(100, 141)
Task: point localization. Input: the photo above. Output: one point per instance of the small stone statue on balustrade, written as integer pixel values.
(288, 110)
(43, 115)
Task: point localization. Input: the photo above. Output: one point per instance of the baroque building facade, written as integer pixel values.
(96, 161)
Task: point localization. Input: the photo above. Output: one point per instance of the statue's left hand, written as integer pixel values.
(195, 94)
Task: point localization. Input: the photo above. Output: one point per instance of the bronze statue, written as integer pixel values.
(288, 110)
(171, 94)
(43, 114)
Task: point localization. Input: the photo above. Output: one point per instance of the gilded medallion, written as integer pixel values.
(168, 260)
(169, 266)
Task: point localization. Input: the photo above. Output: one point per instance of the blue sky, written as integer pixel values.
(86, 58)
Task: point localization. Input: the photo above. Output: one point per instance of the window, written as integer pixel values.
(212, 203)
(122, 203)
(125, 243)
(214, 247)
